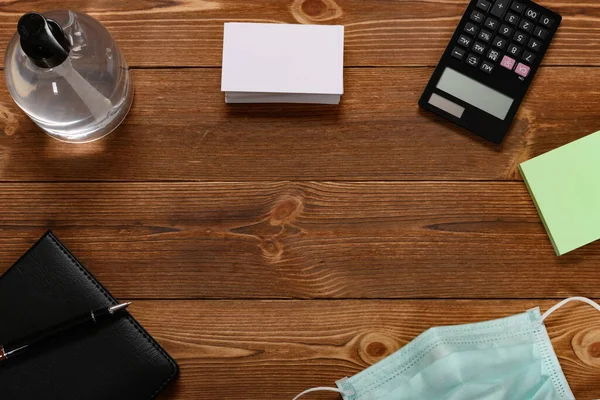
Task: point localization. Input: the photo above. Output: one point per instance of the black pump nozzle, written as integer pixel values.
(43, 40)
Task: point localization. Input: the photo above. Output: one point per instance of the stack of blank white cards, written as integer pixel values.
(281, 63)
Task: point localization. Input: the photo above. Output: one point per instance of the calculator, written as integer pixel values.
(489, 64)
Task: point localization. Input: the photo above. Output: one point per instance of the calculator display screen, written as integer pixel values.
(475, 93)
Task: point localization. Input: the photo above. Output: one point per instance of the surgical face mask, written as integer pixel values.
(509, 358)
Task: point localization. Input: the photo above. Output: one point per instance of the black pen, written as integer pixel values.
(11, 350)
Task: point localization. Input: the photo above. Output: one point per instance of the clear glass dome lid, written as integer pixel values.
(64, 69)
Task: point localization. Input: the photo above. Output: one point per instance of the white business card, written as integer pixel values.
(276, 59)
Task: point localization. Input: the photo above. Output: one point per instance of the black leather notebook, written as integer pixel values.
(118, 360)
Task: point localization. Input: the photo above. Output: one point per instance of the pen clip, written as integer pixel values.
(4, 355)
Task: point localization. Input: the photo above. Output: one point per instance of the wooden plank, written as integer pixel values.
(309, 240)
(378, 32)
(181, 129)
(276, 349)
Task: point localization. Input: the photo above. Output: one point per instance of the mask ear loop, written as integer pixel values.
(322, 389)
(570, 299)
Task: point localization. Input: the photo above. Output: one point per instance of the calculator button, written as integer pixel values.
(471, 28)
(527, 26)
(491, 23)
(484, 35)
(459, 53)
(465, 41)
(487, 67)
(505, 30)
(512, 18)
(473, 60)
(499, 8)
(483, 5)
(518, 7)
(507, 62)
(478, 48)
(520, 38)
(529, 57)
(532, 14)
(477, 16)
(534, 45)
(546, 21)
(513, 50)
(493, 55)
(540, 32)
(522, 70)
(499, 42)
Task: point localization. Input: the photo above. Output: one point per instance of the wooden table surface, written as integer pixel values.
(272, 248)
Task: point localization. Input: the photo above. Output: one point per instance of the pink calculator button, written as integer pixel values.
(522, 70)
(507, 62)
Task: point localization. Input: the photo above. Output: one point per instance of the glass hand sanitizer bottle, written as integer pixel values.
(66, 72)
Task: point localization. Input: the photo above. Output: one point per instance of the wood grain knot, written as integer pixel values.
(312, 11)
(8, 121)
(272, 249)
(586, 345)
(286, 211)
(376, 349)
(375, 346)
(275, 228)
(594, 350)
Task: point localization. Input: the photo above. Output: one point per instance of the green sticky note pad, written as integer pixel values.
(565, 186)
